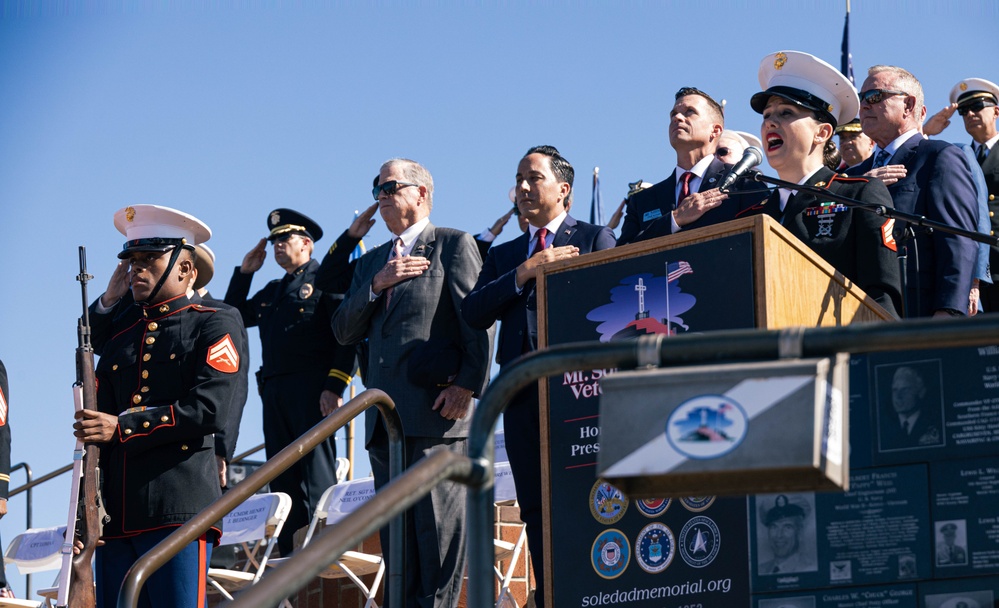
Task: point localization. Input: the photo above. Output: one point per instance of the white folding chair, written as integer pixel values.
(336, 503)
(255, 524)
(342, 468)
(35, 550)
(506, 493)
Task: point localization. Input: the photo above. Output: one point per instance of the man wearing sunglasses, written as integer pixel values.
(689, 198)
(405, 299)
(304, 369)
(933, 180)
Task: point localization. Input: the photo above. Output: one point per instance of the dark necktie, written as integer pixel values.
(905, 428)
(684, 186)
(541, 244)
(881, 159)
(983, 153)
(396, 253)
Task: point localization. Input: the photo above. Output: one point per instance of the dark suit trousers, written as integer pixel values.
(291, 407)
(522, 426)
(434, 555)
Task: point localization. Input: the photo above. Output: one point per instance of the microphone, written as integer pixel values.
(750, 158)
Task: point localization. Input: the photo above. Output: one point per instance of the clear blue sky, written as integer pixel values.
(230, 109)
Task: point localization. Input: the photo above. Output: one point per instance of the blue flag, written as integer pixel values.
(846, 61)
(596, 208)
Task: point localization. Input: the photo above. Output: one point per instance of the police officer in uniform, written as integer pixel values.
(164, 385)
(304, 368)
(803, 100)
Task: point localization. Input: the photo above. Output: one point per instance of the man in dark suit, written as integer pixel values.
(689, 198)
(933, 180)
(304, 370)
(505, 292)
(912, 420)
(405, 299)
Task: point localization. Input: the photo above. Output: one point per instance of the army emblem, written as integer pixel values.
(610, 554)
(129, 214)
(653, 507)
(779, 61)
(706, 427)
(306, 291)
(275, 218)
(607, 503)
(700, 541)
(696, 504)
(655, 548)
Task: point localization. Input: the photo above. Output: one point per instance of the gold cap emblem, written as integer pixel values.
(129, 214)
(829, 108)
(779, 61)
(964, 86)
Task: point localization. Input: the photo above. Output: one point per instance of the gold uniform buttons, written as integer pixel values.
(146, 357)
(183, 448)
(145, 424)
(128, 431)
(301, 310)
(164, 418)
(992, 213)
(164, 308)
(150, 340)
(144, 389)
(173, 355)
(137, 399)
(992, 197)
(145, 374)
(153, 326)
(114, 367)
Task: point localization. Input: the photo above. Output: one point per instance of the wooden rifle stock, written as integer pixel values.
(76, 586)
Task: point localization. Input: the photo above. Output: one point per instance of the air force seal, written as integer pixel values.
(655, 548)
(607, 503)
(610, 554)
(699, 542)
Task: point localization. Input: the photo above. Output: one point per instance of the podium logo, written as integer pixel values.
(655, 548)
(610, 554)
(706, 427)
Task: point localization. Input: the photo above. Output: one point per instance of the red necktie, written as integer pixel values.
(684, 186)
(540, 246)
(396, 253)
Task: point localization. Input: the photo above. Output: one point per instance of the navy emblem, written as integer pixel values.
(607, 503)
(706, 427)
(610, 554)
(697, 503)
(305, 291)
(699, 542)
(653, 507)
(655, 548)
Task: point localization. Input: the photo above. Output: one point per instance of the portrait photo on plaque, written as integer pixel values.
(910, 405)
(787, 602)
(968, 599)
(952, 543)
(786, 534)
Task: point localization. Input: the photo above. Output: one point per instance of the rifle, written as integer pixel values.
(76, 579)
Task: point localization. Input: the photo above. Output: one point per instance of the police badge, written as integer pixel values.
(305, 291)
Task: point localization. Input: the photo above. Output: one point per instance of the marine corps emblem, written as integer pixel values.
(779, 61)
(129, 214)
(275, 218)
(964, 86)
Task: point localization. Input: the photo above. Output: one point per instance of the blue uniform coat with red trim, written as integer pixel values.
(169, 378)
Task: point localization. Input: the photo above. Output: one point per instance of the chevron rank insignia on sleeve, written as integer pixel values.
(223, 356)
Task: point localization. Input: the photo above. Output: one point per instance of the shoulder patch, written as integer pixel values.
(223, 356)
(3, 408)
(203, 308)
(888, 234)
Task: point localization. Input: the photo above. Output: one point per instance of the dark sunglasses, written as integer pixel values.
(977, 106)
(873, 96)
(389, 188)
(723, 151)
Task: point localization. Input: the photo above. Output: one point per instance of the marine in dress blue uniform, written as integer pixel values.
(164, 386)
(303, 364)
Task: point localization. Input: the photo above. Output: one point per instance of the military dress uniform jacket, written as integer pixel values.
(169, 378)
(856, 242)
(649, 210)
(294, 317)
(4, 434)
(104, 325)
(991, 170)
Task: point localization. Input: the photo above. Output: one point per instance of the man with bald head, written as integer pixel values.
(925, 177)
(405, 299)
(909, 422)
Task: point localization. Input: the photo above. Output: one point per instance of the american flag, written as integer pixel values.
(682, 268)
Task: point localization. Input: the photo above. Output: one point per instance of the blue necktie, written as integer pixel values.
(881, 159)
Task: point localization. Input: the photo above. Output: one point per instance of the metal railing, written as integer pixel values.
(159, 555)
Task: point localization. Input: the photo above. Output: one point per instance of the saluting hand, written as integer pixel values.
(118, 285)
(497, 226)
(398, 270)
(453, 402)
(362, 223)
(528, 270)
(889, 174)
(94, 427)
(329, 402)
(618, 214)
(697, 204)
(254, 260)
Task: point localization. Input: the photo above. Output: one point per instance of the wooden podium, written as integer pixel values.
(737, 275)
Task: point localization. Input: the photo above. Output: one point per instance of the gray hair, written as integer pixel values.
(905, 81)
(416, 173)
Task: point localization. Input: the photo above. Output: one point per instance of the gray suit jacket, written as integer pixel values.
(425, 307)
